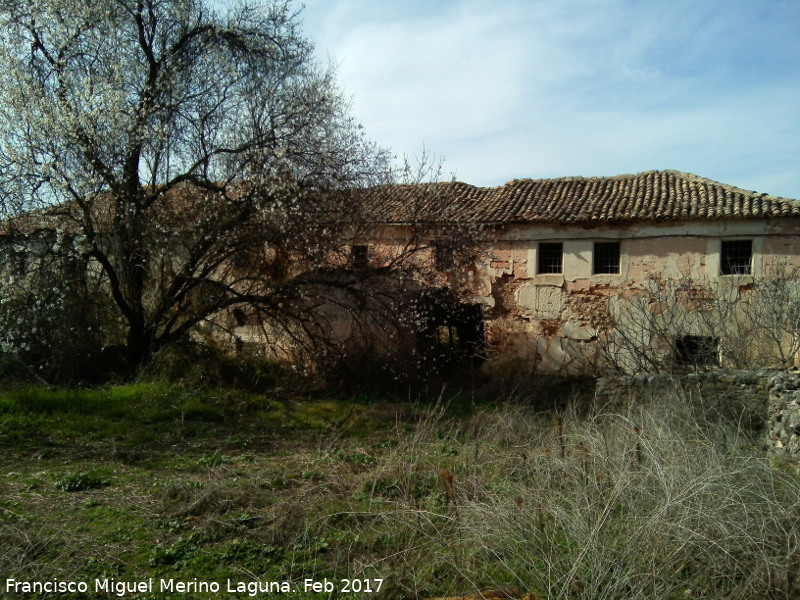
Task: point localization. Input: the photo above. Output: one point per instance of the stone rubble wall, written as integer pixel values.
(784, 414)
(764, 402)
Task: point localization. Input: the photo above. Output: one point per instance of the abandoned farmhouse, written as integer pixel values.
(657, 271)
(654, 271)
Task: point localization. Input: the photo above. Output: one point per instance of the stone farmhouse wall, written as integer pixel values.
(783, 427)
(557, 322)
(657, 271)
(564, 266)
(737, 395)
(568, 258)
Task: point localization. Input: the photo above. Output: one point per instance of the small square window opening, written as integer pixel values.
(359, 256)
(736, 257)
(606, 258)
(697, 350)
(551, 258)
(444, 257)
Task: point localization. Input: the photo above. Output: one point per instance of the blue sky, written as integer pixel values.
(504, 89)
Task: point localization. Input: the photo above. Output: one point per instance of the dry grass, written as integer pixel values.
(643, 503)
(649, 501)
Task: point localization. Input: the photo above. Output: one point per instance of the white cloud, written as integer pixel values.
(576, 87)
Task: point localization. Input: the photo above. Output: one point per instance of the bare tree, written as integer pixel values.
(772, 308)
(193, 160)
(412, 272)
(675, 325)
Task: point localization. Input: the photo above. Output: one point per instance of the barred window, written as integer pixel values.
(736, 257)
(606, 258)
(447, 337)
(444, 256)
(551, 257)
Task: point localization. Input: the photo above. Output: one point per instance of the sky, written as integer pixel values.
(511, 89)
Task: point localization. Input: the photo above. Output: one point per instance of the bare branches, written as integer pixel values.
(698, 324)
(176, 142)
(205, 162)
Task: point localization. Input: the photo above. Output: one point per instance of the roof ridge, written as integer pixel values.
(684, 175)
(727, 186)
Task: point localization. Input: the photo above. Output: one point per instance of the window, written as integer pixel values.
(696, 350)
(736, 257)
(606, 258)
(551, 258)
(359, 256)
(239, 316)
(19, 260)
(249, 348)
(445, 257)
(242, 317)
(447, 337)
(242, 261)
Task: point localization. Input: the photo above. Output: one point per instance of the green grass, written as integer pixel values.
(155, 480)
(149, 413)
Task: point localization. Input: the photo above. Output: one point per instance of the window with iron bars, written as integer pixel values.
(736, 257)
(605, 260)
(550, 258)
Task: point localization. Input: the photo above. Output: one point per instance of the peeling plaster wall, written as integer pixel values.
(562, 323)
(549, 322)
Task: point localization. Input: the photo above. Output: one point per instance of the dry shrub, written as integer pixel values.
(643, 502)
(20, 547)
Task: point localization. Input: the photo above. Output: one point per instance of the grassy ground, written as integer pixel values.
(156, 481)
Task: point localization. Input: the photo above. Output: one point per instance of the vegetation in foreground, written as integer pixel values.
(154, 480)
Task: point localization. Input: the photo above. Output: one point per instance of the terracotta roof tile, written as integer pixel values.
(649, 196)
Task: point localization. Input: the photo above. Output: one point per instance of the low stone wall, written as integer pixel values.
(764, 402)
(741, 396)
(784, 414)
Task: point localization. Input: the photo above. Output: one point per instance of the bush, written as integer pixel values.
(52, 328)
(80, 482)
(206, 367)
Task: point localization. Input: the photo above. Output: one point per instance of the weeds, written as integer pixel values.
(80, 482)
(651, 500)
(634, 505)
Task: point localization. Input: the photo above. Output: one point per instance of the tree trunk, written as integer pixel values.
(139, 347)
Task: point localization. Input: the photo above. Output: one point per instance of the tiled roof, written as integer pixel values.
(178, 206)
(649, 196)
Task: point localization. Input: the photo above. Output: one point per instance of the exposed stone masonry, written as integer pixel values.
(784, 412)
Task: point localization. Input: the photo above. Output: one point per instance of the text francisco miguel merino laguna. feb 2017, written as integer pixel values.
(150, 585)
